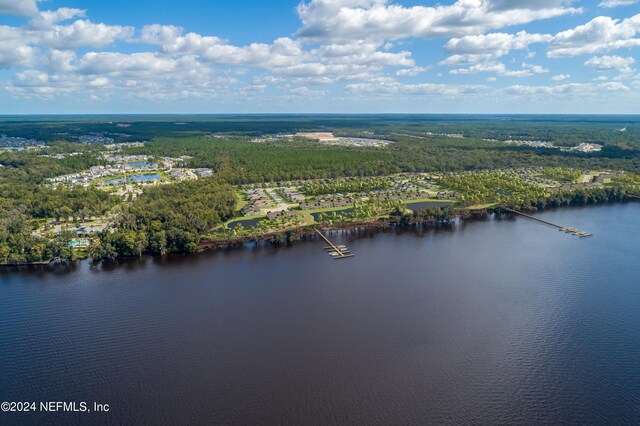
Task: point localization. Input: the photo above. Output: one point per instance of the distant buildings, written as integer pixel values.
(119, 146)
(94, 139)
(587, 148)
(128, 166)
(11, 143)
(446, 135)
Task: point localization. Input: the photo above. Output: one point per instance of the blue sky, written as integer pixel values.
(351, 56)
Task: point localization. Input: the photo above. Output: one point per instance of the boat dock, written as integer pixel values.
(336, 252)
(567, 229)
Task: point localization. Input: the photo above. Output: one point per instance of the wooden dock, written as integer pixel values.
(566, 229)
(336, 252)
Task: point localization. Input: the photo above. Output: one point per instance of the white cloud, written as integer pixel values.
(82, 33)
(394, 88)
(13, 51)
(616, 3)
(285, 55)
(47, 18)
(528, 4)
(602, 34)
(411, 71)
(358, 43)
(139, 75)
(343, 20)
(562, 90)
(479, 53)
(485, 48)
(605, 63)
(615, 86)
(500, 69)
(495, 44)
(18, 7)
(22, 46)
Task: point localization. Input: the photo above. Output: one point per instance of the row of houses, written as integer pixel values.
(447, 195)
(282, 214)
(258, 200)
(97, 172)
(293, 194)
(323, 204)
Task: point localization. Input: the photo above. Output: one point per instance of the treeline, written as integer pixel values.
(248, 162)
(434, 215)
(18, 244)
(24, 198)
(565, 130)
(351, 185)
(168, 218)
(274, 161)
(491, 187)
(560, 174)
(575, 197)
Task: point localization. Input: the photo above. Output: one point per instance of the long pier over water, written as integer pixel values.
(566, 229)
(336, 252)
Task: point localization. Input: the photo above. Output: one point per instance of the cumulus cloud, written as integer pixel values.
(284, 55)
(139, 75)
(22, 46)
(48, 18)
(13, 51)
(342, 20)
(496, 44)
(484, 49)
(81, 33)
(616, 3)
(602, 34)
(359, 44)
(424, 89)
(560, 91)
(605, 63)
(18, 7)
(500, 69)
(528, 4)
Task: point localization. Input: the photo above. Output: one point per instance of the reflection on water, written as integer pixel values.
(494, 321)
(135, 178)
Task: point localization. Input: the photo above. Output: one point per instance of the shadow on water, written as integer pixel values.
(266, 247)
(258, 248)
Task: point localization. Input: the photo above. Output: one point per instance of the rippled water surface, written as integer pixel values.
(487, 322)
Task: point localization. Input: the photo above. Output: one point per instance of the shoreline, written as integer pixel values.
(307, 232)
(303, 232)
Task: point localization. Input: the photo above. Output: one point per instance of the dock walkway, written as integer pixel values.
(567, 229)
(336, 252)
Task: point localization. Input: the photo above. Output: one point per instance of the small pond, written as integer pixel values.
(136, 178)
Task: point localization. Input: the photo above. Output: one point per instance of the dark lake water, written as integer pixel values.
(486, 322)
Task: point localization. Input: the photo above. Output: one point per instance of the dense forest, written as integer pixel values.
(24, 198)
(168, 218)
(278, 161)
(566, 130)
(173, 217)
